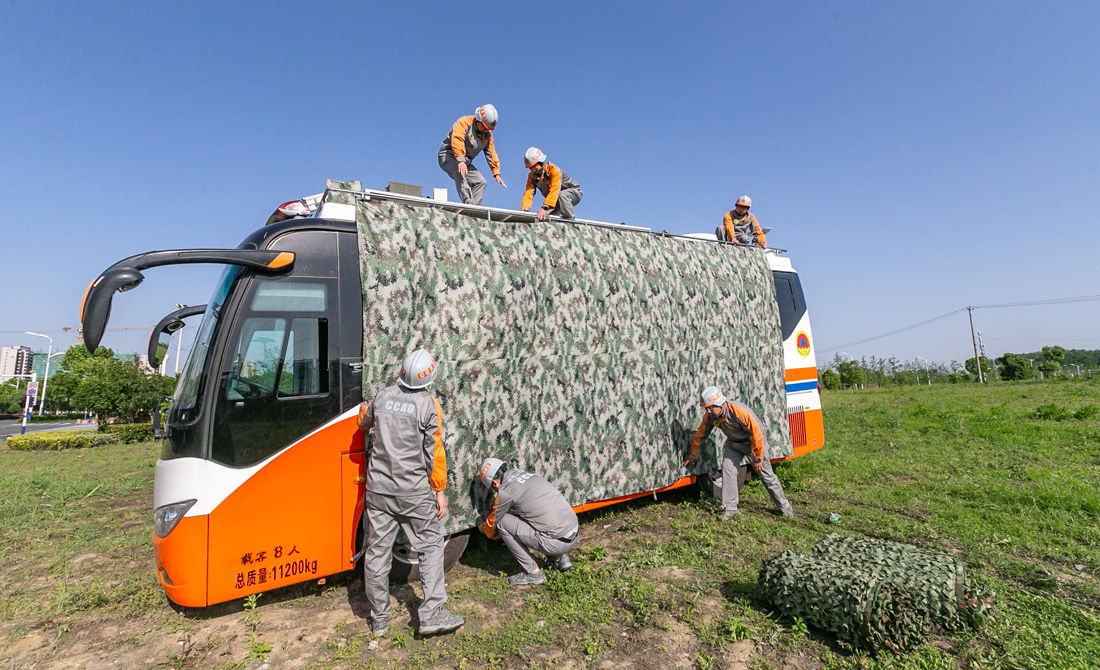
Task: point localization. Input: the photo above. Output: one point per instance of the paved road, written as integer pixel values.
(8, 427)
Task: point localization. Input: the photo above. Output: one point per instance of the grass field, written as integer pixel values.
(1005, 476)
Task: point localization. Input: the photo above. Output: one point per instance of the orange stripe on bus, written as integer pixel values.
(800, 374)
(589, 506)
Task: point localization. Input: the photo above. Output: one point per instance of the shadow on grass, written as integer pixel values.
(744, 590)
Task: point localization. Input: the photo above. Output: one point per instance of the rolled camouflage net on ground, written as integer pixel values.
(863, 608)
(940, 583)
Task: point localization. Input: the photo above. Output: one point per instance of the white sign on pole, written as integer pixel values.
(32, 388)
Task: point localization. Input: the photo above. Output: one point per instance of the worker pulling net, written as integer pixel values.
(875, 594)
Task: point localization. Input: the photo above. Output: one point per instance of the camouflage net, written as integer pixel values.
(875, 594)
(861, 608)
(574, 351)
(939, 582)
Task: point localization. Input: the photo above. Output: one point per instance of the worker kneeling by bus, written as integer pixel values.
(746, 446)
(529, 512)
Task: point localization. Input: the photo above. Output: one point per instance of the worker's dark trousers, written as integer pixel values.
(735, 475)
(413, 513)
(567, 198)
(471, 188)
(519, 535)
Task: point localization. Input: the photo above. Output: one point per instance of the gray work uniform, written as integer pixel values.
(471, 188)
(530, 512)
(407, 465)
(737, 456)
(569, 193)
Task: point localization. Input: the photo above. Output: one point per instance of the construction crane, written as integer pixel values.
(80, 332)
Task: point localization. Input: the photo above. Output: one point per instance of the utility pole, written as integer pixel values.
(974, 341)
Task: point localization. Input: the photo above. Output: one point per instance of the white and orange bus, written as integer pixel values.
(259, 483)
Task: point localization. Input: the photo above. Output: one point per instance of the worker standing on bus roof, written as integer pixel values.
(741, 225)
(746, 447)
(560, 193)
(406, 478)
(469, 136)
(529, 512)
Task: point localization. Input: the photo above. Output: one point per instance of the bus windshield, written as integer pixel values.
(185, 402)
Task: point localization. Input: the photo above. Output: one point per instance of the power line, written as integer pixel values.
(1026, 303)
(895, 332)
(1052, 301)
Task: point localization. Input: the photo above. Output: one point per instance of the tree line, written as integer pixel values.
(98, 384)
(1051, 362)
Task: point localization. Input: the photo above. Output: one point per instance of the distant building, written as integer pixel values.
(40, 363)
(17, 360)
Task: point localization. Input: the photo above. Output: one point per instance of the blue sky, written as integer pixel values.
(912, 159)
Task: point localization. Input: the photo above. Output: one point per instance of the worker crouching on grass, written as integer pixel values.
(529, 512)
(746, 447)
(406, 478)
(560, 193)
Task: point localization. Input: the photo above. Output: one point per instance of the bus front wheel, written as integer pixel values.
(406, 564)
(711, 483)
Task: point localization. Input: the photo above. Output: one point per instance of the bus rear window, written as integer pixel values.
(788, 293)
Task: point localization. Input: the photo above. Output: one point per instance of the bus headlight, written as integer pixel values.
(166, 517)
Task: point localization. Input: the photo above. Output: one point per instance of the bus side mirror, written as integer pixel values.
(96, 308)
(161, 334)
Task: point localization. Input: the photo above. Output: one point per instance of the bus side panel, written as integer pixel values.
(352, 497)
(282, 525)
(181, 561)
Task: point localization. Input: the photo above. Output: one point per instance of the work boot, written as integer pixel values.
(562, 563)
(528, 579)
(730, 513)
(379, 627)
(441, 622)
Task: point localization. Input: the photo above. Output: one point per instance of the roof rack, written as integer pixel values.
(500, 214)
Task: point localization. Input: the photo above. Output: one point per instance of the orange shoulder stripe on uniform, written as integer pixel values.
(551, 200)
(489, 526)
(458, 135)
(529, 194)
(438, 478)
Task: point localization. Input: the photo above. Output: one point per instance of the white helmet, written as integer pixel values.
(417, 370)
(489, 469)
(533, 155)
(745, 200)
(712, 397)
(487, 114)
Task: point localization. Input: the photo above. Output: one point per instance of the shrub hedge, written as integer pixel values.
(129, 433)
(62, 439)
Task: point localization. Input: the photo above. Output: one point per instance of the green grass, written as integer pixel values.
(1005, 476)
(65, 540)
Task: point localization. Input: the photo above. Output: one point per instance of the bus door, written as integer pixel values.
(277, 388)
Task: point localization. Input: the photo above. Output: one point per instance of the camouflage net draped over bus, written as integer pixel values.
(574, 351)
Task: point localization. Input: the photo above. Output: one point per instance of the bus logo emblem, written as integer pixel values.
(802, 343)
